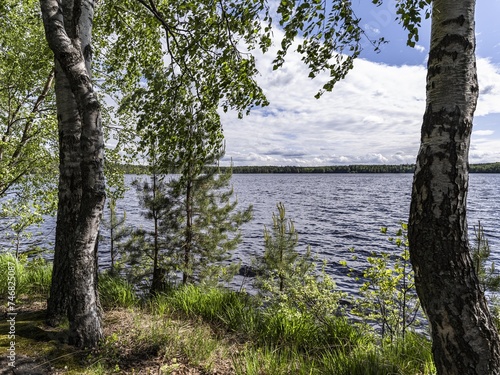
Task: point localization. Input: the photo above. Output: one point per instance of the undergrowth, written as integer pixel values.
(218, 331)
(294, 325)
(32, 277)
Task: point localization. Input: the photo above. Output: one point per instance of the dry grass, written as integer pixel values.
(136, 342)
(141, 343)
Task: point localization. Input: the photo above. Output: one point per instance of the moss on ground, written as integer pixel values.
(135, 343)
(39, 347)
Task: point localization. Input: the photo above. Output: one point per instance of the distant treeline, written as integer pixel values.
(375, 168)
(403, 168)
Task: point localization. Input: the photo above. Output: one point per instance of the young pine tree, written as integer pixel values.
(148, 248)
(209, 221)
(281, 265)
(118, 232)
(201, 222)
(291, 281)
(480, 249)
(489, 278)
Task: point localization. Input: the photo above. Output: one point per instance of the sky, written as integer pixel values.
(374, 115)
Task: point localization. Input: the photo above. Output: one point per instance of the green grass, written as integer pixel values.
(413, 356)
(32, 277)
(288, 327)
(208, 330)
(235, 311)
(37, 277)
(282, 340)
(115, 292)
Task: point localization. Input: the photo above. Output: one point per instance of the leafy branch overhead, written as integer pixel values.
(330, 34)
(205, 47)
(194, 45)
(410, 16)
(330, 37)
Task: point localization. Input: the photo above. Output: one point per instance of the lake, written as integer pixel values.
(331, 212)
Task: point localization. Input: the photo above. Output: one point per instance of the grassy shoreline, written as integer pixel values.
(354, 168)
(202, 330)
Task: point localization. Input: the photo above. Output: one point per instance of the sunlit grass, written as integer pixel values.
(282, 340)
(235, 311)
(115, 292)
(32, 277)
(211, 331)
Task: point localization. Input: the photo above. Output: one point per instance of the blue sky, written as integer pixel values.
(374, 115)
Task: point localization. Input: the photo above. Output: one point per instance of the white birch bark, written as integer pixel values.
(464, 337)
(68, 28)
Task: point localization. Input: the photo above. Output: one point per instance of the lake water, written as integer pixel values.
(332, 213)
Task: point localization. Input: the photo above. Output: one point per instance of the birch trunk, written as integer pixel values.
(464, 338)
(69, 197)
(68, 27)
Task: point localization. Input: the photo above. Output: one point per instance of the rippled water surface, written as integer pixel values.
(332, 212)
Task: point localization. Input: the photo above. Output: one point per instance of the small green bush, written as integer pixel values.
(32, 277)
(284, 325)
(388, 298)
(341, 335)
(38, 277)
(116, 292)
(216, 305)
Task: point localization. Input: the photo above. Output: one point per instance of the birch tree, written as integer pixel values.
(465, 340)
(68, 30)
(464, 337)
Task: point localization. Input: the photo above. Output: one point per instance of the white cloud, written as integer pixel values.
(489, 87)
(484, 150)
(371, 28)
(483, 132)
(373, 116)
(420, 48)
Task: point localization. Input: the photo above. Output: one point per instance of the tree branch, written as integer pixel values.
(30, 120)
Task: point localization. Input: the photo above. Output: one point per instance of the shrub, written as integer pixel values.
(387, 296)
(116, 292)
(33, 277)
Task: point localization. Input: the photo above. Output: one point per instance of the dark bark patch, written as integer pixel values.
(475, 87)
(433, 71)
(442, 49)
(87, 52)
(428, 124)
(92, 104)
(77, 13)
(68, 59)
(460, 20)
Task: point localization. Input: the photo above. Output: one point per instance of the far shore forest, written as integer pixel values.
(384, 168)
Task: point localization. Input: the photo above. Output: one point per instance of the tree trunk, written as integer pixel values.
(465, 340)
(68, 26)
(156, 284)
(112, 220)
(187, 274)
(69, 194)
